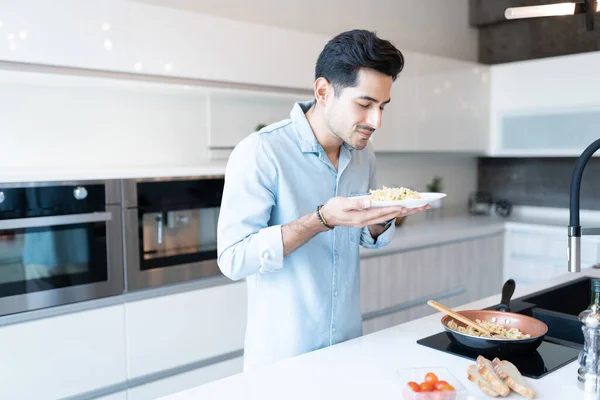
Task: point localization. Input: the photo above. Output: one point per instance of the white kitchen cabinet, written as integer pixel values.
(186, 380)
(534, 255)
(438, 105)
(175, 330)
(234, 114)
(454, 99)
(63, 356)
(90, 34)
(409, 314)
(188, 44)
(545, 107)
(138, 38)
(396, 287)
(399, 130)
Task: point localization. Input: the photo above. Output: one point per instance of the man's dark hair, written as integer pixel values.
(348, 52)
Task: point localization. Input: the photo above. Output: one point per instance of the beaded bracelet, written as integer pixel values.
(321, 218)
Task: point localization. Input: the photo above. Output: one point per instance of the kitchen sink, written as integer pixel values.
(570, 298)
(558, 307)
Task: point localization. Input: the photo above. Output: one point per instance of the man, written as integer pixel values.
(288, 223)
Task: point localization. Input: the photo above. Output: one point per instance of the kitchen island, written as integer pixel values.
(365, 368)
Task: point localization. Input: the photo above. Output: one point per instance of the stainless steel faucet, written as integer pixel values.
(575, 229)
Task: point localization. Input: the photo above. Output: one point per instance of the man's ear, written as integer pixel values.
(323, 90)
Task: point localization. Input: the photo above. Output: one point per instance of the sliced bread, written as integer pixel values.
(513, 378)
(475, 377)
(486, 369)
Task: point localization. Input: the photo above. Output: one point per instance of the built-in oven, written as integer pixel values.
(170, 230)
(60, 243)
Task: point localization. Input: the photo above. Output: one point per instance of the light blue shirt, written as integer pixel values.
(309, 299)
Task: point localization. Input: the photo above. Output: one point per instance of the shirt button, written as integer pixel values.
(265, 255)
(335, 293)
(333, 330)
(336, 256)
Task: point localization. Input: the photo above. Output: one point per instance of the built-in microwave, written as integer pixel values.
(170, 229)
(60, 243)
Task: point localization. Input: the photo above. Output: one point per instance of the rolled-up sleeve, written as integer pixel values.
(366, 239)
(246, 243)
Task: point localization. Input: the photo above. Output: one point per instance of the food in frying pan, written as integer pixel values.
(498, 377)
(393, 194)
(498, 331)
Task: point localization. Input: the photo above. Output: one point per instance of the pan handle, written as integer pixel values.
(507, 291)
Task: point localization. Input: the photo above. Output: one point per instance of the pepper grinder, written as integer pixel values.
(589, 359)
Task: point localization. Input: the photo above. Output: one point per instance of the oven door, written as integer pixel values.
(52, 260)
(159, 253)
(171, 230)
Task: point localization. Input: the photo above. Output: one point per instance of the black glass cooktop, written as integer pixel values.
(547, 358)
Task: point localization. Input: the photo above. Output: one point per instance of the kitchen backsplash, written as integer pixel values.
(542, 182)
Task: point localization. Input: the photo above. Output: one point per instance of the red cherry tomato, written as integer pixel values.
(414, 386)
(445, 387)
(430, 377)
(426, 387)
(439, 384)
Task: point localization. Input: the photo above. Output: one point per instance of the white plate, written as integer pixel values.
(426, 198)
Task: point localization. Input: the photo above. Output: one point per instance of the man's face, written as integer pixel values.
(356, 112)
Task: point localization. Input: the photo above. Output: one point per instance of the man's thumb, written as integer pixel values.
(363, 203)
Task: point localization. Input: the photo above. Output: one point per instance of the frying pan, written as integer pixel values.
(501, 316)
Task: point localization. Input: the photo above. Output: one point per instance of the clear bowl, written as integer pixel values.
(418, 375)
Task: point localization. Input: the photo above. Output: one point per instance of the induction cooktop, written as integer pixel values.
(547, 358)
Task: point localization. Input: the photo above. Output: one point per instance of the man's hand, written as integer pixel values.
(342, 211)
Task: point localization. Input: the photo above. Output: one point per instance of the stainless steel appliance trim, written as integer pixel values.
(138, 279)
(114, 285)
(179, 178)
(112, 186)
(129, 193)
(129, 186)
(74, 182)
(62, 70)
(411, 304)
(55, 220)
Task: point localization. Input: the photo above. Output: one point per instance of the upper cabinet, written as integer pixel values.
(398, 131)
(172, 42)
(91, 34)
(453, 103)
(545, 107)
(137, 38)
(438, 105)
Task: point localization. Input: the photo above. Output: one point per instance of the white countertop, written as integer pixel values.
(365, 368)
(433, 227)
(18, 175)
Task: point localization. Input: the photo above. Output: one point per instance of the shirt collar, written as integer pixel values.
(306, 137)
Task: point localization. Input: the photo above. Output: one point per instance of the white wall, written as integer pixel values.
(73, 122)
(439, 27)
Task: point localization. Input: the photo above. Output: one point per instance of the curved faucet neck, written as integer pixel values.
(574, 221)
